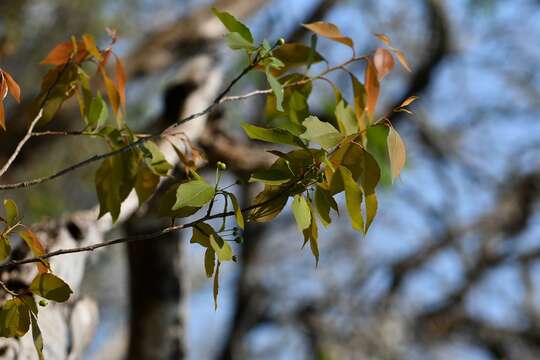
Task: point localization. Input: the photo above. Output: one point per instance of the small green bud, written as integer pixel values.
(43, 302)
(281, 41)
(221, 166)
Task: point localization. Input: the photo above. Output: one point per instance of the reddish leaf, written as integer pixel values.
(60, 54)
(372, 87)
(3, 90)
(384, 62)
(330, 31)
(13, 87)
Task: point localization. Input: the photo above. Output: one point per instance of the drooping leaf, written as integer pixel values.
(209, 262)
(311, 235)
(323, 204)
(276, 136)
(12, 213)
(353, 199)
(14, 318)
(221, 248)
(346, 119)
(233, 25)
(146, 182)
(112, 91)
(371, 209)
(372, 87)
(51, 287)
(5, 247)
(397, 153)
(195, 193)
(37, 337)
(201, 234)
(329, 31)
(237, 211)
(301, 212)
(33, 242)
(121, 81)
(321, 133)
(383, 61)
(360, 103)
(269, 203)
(216, 285)
(97, 112)
(277, 89)
(13, 87)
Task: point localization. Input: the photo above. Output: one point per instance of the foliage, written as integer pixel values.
(317, 159)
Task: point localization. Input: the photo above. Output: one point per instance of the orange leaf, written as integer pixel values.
(384, 62)
(403, 60)
(13, 87)
(121, 81)
(330, 31)
(36, 247)
(408, 101)
(3, 92)
(112, 92)
(385, 39)
(60, 54)
(91, 47)
(372, 87)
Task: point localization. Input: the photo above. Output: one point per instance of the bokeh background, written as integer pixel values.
(451, 266)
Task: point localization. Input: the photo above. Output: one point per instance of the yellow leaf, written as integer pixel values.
(408, 101)
(396, 152)
(385, 39)
(403, 60)
(91, 47)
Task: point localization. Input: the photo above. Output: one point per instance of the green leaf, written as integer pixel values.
(323, 202)
(155, 159)
(272, 176)
(114, 180)
(98, 112)
(14, 318)
(209, 261)
(276, 136)
(321, 133)
(269, 203)
(5, 247)
(396, 152)
(12, 213)
(346, 119)
(233, 25)
(237, 211)
(236, 42)
(30, 302)
(221, 247)
(146, 182)
(37, 337)
(194, 193)
(301, 212)
(50, 287)
(371, 209)
(360, 103)
(353, 199)
(168, 199)
(293, 54)
(311, 234)
(201, 234)
(277, 88)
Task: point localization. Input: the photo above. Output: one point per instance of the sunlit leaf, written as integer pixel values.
(360, 103)
(12, 86)
(371, 209)
(97, 112)
(121, 81)
(353, 199)
(403, 60)
(12, 213)
(194, 193)
(221, 248)
(236, 42)
(383, 61)
(321, 133)
(91, 47)
(277, 89)
(329, 31)
(277, 136)
(237, 211)
(32, 241)
(233, 25)
(408, 101)
(155, 159)
(301, 212)
(346, 119)
(396, 152)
